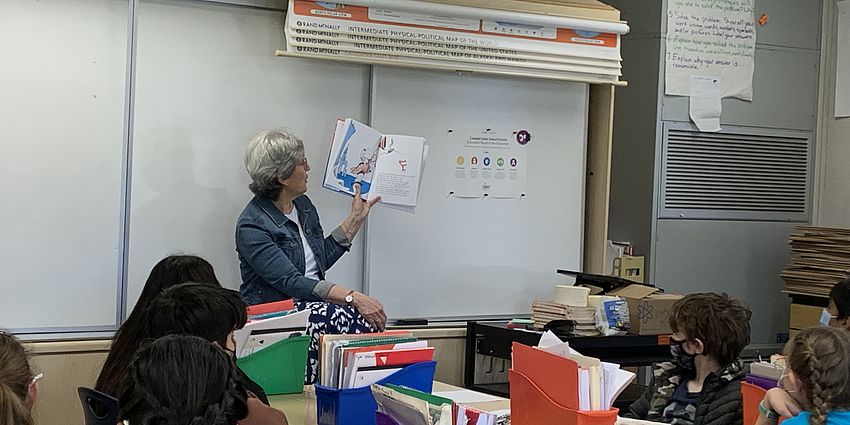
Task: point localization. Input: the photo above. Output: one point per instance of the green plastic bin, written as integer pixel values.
(279, 368)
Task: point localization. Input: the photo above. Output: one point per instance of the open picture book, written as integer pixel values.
(389, 166)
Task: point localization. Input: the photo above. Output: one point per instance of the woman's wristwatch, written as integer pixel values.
(767, 413)
(349, 298)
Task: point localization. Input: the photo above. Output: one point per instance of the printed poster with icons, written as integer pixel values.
(489, 162)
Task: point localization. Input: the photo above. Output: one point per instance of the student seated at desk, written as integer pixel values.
(817, 379)
(702, 385)
(170, 271)
(187, 380)
(209, 312)
(18, 386)
(837, 314)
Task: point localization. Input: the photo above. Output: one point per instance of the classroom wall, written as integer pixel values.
(833, 158)
(66, 365)
(742, 258)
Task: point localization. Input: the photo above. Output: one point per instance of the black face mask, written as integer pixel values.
(680, 357)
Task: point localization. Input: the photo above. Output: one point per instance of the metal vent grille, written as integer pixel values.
(735, 174)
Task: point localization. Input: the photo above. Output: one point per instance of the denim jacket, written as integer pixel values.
(271, 257)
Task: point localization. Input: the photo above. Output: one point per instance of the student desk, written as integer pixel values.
(495, 339)
(300, 409)
(296, 406)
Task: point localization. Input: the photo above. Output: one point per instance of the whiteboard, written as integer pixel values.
(462, 258)
(61, 121)
(207, 81)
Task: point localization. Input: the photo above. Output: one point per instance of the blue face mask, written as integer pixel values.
(825, 317)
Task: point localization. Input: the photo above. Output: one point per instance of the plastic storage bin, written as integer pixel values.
(279, 368)
(357, 406)
(531, 406)
(384, 419)
(751, 396)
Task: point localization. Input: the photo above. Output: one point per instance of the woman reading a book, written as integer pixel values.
(283, 252)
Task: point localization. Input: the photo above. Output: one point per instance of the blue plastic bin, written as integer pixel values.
(357, 406)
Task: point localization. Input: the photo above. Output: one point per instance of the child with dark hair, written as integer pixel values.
(702, 385)
(183, 380)
(211, 313)
(198, 309)
(18, 387)
(169, 271)
(837, 314)
(816, 379)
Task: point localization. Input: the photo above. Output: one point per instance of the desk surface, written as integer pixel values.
(300, 409)
(294, 405)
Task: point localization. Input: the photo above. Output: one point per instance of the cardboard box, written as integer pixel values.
(804, 316)
(630, 268)
(649, 310)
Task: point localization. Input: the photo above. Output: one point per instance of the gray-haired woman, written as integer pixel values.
(283, 252)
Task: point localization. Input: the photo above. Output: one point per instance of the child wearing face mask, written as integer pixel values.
(702, 383)
(816, 381)
(837, 314)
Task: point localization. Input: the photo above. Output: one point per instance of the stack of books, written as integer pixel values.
(820, 258)
(543, 312)
(355, 361)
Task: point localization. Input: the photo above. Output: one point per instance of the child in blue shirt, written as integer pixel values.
(816, 382)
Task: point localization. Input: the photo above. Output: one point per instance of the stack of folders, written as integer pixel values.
(354, 361)
(543, 312)
(554, 383)
(268, 324)
(404, 406)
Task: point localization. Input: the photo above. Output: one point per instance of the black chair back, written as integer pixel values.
(98, 408)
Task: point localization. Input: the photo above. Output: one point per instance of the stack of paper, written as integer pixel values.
(354, 361)
(387, 166)
(820, 258)
(268, 328)
(599, 383)
(543, 312)
(410, 407)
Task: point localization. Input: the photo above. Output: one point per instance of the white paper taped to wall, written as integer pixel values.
(705, 105)
(709, 37)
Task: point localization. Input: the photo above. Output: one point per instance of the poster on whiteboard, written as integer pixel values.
(710, 38)
(488, 163)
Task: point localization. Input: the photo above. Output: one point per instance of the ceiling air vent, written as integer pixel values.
(735, 174)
